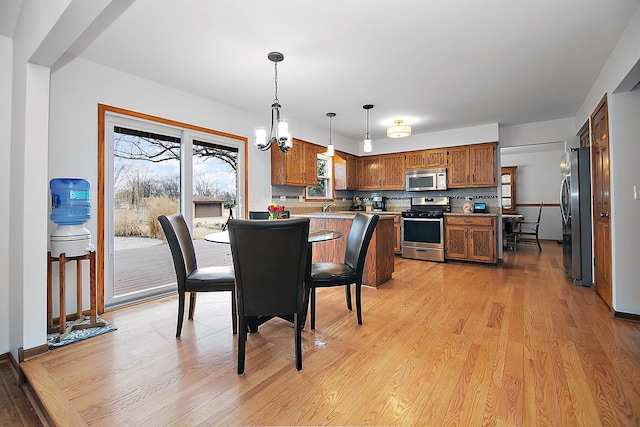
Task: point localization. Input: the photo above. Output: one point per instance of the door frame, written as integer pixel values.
(103, 110)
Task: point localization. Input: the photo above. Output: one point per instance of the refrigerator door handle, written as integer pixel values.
(564, 207)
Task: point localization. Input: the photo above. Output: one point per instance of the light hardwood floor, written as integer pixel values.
(441, 344)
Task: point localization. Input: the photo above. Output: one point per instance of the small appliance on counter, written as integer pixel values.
(479, 207)
(357, 204)
(379, 203)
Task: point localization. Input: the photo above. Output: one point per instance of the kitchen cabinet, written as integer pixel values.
(426, 159)
(380, 259)
(353, 172)
(345, 171)
(470, 238)
(339, 171)
(384, 172)
(298, 167)
(471, 166)
(397, 234)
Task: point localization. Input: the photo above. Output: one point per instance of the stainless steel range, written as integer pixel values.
(423, 228)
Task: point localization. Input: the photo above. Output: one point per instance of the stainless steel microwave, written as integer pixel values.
(426, 179)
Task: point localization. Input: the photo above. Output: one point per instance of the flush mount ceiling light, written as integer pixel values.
(279, 132)
(367, 139)
(330, 150)
(399, 130)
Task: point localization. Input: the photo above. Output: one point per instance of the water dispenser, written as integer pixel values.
(70, 209)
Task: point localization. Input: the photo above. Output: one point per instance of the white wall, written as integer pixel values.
(6, 64)
(625, 108)
(446, 138)
(537, 180)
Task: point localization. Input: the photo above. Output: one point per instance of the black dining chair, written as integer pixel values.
(326, 274)
(265, 215)
(191, 278)
(530, 228)
(270, 260)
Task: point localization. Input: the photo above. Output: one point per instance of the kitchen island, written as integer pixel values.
(379, 263)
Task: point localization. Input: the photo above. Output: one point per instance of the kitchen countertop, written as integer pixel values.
(339, 214)
(470, 214)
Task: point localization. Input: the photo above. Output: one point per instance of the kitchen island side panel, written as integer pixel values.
(379, 263)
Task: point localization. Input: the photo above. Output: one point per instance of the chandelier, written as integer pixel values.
(279, 132)
(399, 130)
(367, 139)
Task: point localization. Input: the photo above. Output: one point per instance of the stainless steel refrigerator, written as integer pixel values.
(575, 207)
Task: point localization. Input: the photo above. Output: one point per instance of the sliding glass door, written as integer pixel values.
(155, 169)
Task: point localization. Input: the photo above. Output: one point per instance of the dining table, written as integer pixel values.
(509, 224)
(315, 236)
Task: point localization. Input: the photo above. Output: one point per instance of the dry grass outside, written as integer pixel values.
(156, 206)
(126, 223)
(143, 222)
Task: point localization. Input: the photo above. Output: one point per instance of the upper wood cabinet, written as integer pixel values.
(384, 172)
(483, 165)
(353, 172)
(370, 172)
(458, 167)
(339, 171)
(472, 166)
(426, 159)
(298, 167)
(345, 171)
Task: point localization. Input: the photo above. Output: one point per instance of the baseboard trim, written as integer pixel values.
(626, 316)
(32, 352)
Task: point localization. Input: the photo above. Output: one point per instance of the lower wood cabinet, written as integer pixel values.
(470, 238)
(397, 234)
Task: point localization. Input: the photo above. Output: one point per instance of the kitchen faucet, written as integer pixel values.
(327, 205)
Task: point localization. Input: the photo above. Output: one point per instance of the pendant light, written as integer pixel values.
(279, 132)
(330, 150)
(368, 147)
(399, 130)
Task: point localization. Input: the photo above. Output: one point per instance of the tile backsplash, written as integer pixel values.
(397, 200)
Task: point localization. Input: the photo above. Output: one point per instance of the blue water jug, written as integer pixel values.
(70, 204)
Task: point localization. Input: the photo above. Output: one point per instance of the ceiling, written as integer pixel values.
(436, 64)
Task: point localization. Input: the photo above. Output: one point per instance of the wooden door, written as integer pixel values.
(601, 201)
(458, 167)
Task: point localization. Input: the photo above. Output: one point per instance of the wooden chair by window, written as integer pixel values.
(529, 228)
(265, 215)
(325, 274)
(191, 278)
(270, 261)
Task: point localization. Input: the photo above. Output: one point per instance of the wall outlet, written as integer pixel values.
(344, 199)
(283, 197)
(301, 198)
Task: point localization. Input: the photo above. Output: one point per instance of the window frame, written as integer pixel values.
(328, 177)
